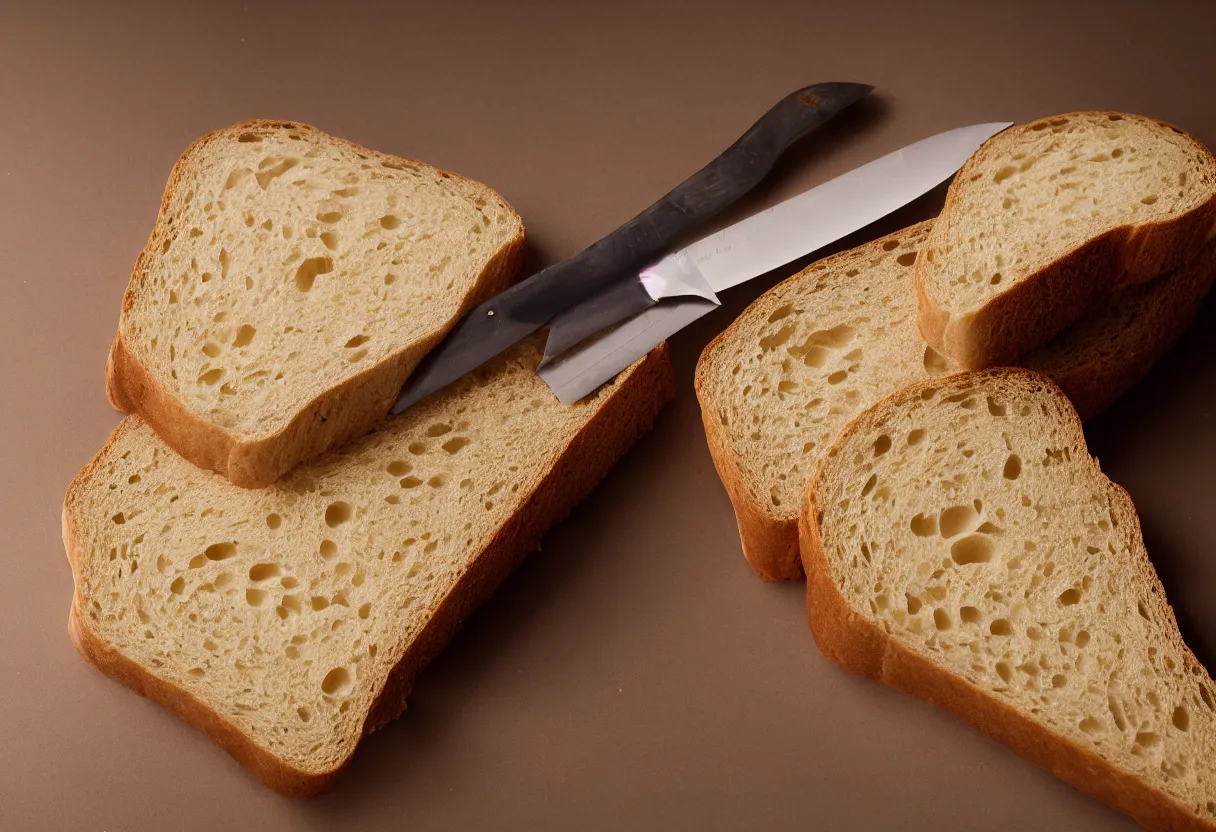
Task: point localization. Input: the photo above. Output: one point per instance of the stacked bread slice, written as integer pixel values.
(958, 541)
(292, 282)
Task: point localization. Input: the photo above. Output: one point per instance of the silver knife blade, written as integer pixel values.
(822, 215)
(761, 243)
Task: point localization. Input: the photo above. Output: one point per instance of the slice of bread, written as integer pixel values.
(961, 545)
(289, 621)
(814, 351)
(292, 282)
(1047, 218)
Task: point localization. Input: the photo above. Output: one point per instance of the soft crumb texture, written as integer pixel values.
(274, 617)
(285, 264)
(961, 544)
(1047, 218)
(778, 385)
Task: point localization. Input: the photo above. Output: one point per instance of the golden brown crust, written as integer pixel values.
(334, 417)
(598, 444)
(1028, 314)
(860, 645)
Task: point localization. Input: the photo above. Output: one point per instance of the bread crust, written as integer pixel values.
(335, 416)
(618, 423)
(860, 645)
(1039, 307)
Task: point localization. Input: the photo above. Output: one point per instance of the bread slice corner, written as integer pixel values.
(290, 285)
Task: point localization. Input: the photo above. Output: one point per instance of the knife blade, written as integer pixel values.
(514, 314)
(747, 249)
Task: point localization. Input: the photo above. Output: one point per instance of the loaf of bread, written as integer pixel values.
(961, 545)
(817, 349)
(291, 284)
(289, 621)
(1047, 219)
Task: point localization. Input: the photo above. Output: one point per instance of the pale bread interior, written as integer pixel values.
(287, 261)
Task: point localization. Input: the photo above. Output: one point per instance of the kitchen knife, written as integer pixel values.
(514, 314)
(692, 276)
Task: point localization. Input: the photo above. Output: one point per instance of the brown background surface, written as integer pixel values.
(634, 674)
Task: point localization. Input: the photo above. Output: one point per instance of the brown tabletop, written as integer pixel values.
(633, 674)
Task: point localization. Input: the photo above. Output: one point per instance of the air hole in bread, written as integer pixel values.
(958, 519)
(974, 548)
(1013, 467)
(337, 682)
(454, 444)
(264, 571)
(772, 342)
(220, 551)
(244, 335)
(924, 525)
(274, 171)
(780, 312)
(310, 269)
(1069, 597)
(337, 513)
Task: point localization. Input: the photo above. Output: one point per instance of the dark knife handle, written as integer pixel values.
(514, 314)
